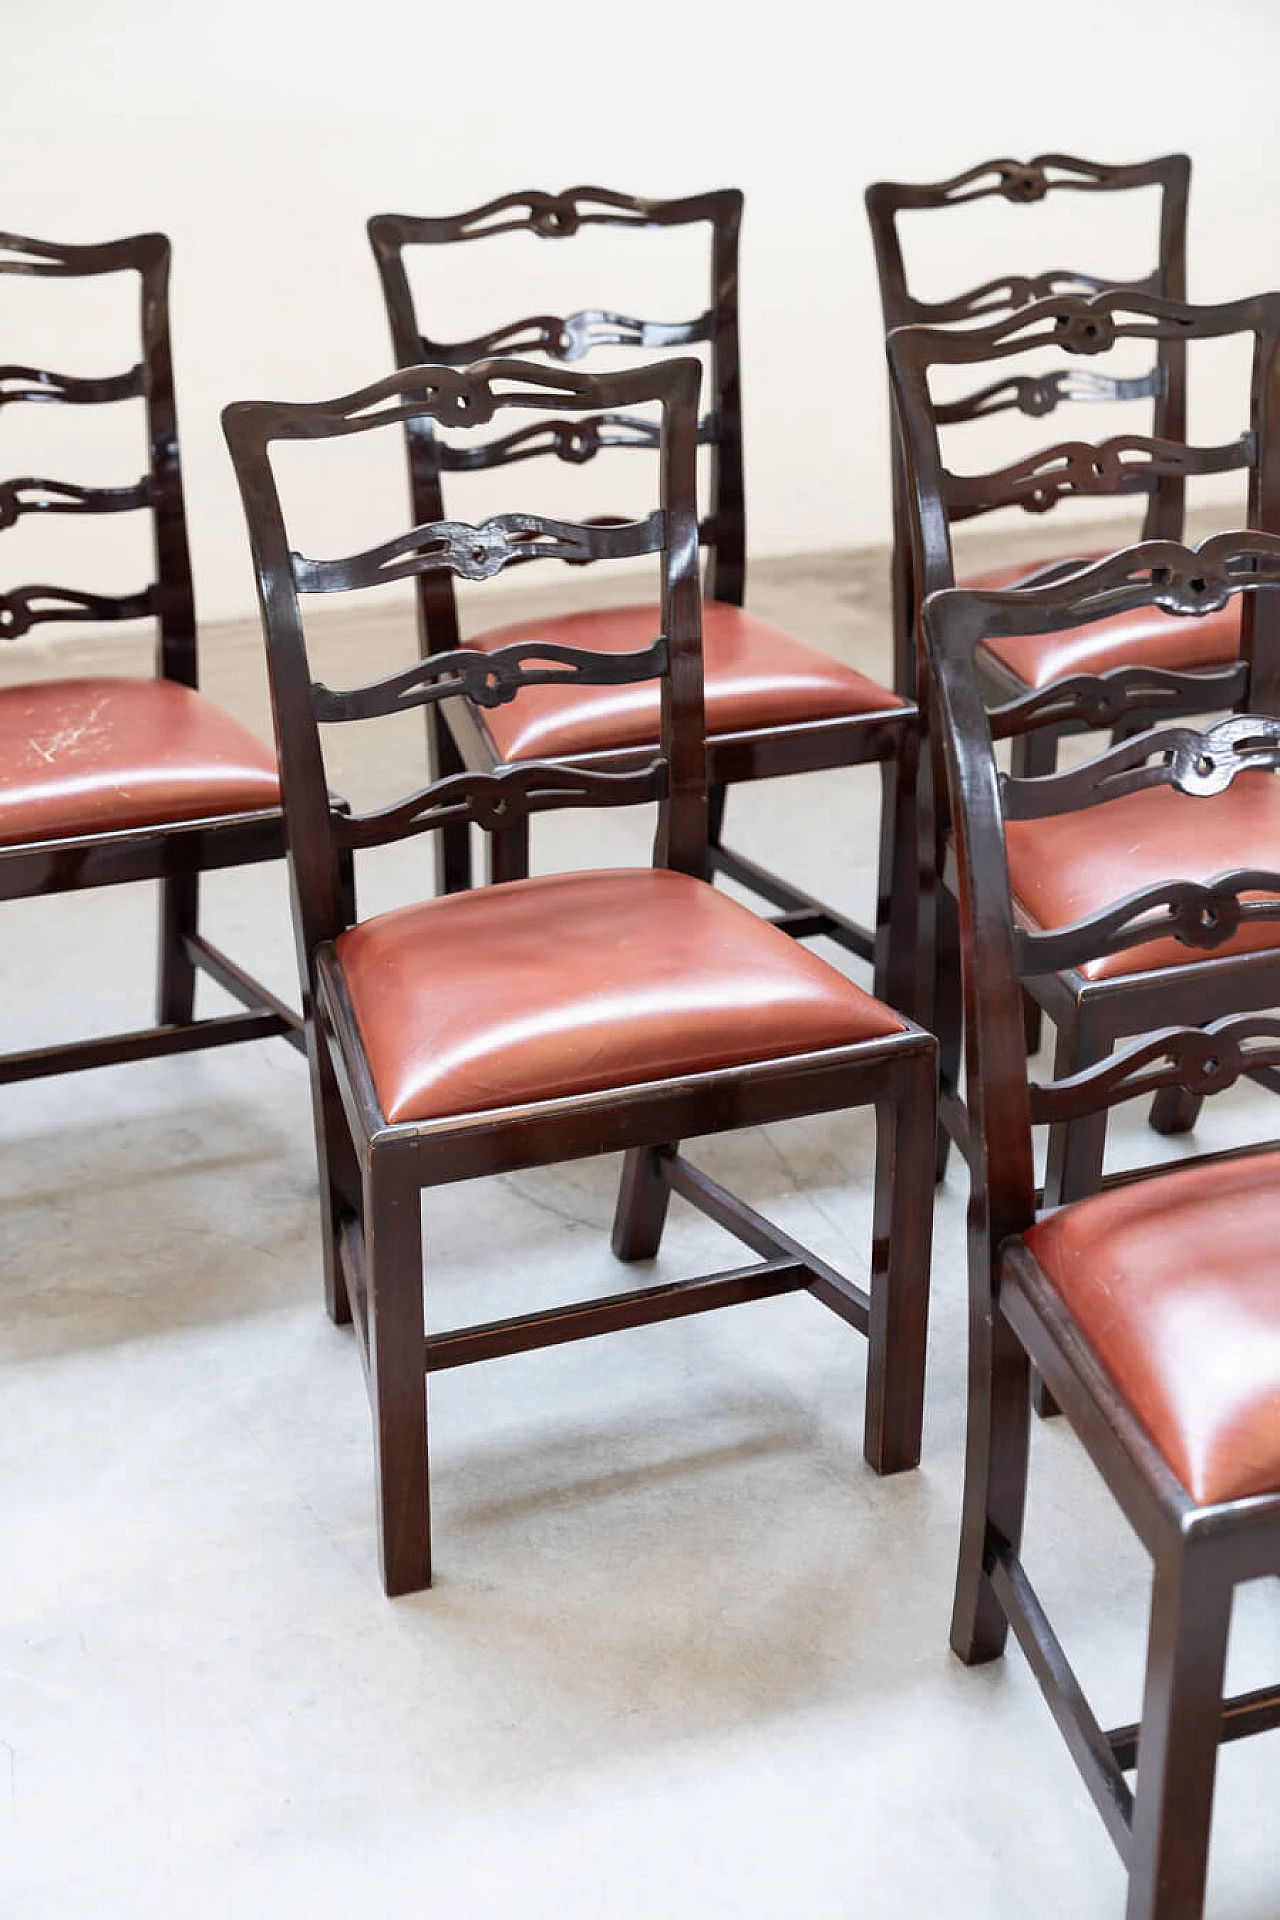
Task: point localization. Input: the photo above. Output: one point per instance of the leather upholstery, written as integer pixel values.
(1146, 637)
(755, 676)
(99, 755)
(582, 981)
(1175, 1284)
(1068, 866)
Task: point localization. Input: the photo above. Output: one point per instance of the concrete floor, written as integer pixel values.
(685, 1655)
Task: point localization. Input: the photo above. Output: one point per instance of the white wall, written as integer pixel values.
(261, 135)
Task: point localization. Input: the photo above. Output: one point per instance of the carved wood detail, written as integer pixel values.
(490, 679)
(478, 552)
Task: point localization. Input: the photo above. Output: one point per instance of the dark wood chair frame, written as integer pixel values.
(173, 853)
(1200, 1553)
(372, 1171)
(1089, 1015)
(886, 737)
(1028, 183)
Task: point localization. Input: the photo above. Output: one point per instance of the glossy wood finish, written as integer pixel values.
(1089, 1013)
(373, 1169)
(1028, 184)
(173, 851)
(1160, 1825)
(885, 737)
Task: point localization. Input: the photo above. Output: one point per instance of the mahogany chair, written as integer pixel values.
(1151, 1308)
(775, 705)
(1109, 682)
(546, 1019)
(107, 779)
(1029, 184)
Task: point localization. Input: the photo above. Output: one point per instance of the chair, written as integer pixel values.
(1151, 1308)
(545, 1019)
(774, 704)
(112, 779)
(1090, 1006)
(1028, 184)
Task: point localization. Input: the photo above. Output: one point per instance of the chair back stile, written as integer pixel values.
(563, 339)
(170, 598)
(319, 830)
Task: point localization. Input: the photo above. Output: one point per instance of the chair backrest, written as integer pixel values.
(997, 953)
(565, 338)
(169, 599)
(1078, 327)
(1029, 184)
(319, 830)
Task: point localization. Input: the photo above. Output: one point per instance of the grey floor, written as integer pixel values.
(685, 1655)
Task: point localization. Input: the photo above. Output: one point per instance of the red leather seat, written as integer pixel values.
(99, 755)
(1145, 637)
(578, 981)
(1068, 866)
(1175, 1283)
(755, 677)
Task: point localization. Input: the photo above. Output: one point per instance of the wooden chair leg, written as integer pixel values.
(716, 797)
(1074, 1165)
(508, 854)
(1174, 1110)
(995, 1477)
(641, 1212)
(906, 1130)
(901, 958)
(176, 988)
(338, 1168)
(1178, 1740)
(397, 1368)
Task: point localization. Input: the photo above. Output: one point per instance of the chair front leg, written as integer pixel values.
(995, 1475)
(397, 1366)
(1178, 1739)
(902, 1237)
(176, 986)
(507, 854)
(900, 962)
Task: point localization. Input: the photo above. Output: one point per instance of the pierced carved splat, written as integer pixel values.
(574, 441)
(1036, 395)
(477, 552)
(1129, 463)
(1198, 914)
(1104, 699)
(1194, 761)
(64, 496)
(27, 607)
(35, 384)
(490, 679)
(1204, 1060)
(570, 337)
(499, 799)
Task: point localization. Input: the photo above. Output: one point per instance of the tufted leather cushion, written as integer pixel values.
(1147, 637)
(1175, 1284)
(96, 756)
(580, 981)
(1068, 866)
(755, 676)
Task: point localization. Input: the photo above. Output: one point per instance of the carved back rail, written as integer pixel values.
(1133, 463)
(1201, 915)
(319, 830)
(564, 339)
(169, 599)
